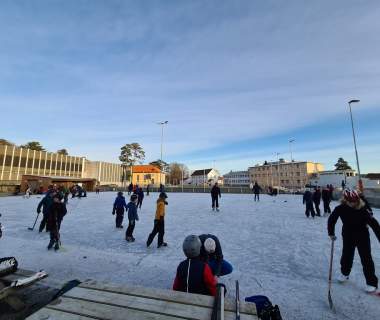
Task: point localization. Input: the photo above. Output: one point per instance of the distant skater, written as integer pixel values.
(132, 218)
(118, 208)
(308, 201)
(140, 197)
(317, 200)
(215, 195)
(159, 222)
(256, 190)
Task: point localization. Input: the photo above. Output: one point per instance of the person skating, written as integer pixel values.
(356, 219)
(326, 198)
(317, 200)
(54, 219)
(194, 275)
(147, 189)
(212, 254)
(118, 208)
(140, 197)
(308, 201)
(132, 218)
(159, 222)
(215, 193)
(45, 203)
(256, 190)
(130, 188)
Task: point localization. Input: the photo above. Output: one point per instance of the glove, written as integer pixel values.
(113, 212)
(333, 238)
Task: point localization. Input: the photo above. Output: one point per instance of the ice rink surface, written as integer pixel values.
(274, 249)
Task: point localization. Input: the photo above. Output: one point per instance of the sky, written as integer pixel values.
(236, 80)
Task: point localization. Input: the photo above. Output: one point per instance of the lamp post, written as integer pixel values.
(356, 150)
(291, 162)
(278, 170)
(162, 124)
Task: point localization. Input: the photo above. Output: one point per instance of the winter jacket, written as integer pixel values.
(256, 189)
(326, 195)
(217, 255)
(132, 211)
(46, 202)
(140, 194)
(195, 276)
(317, 196)
(215, 191)
(55, 215)
(119, 203)
(160, 210)
(355, 219)
(307, 197)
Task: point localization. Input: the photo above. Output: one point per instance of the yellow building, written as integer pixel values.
(291, 175)
(147, 174)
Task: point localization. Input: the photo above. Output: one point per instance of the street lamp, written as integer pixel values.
(291, 162)
(290, 148)
(356, 150)
(162, 138)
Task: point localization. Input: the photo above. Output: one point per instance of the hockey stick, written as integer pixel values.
(35, 221)
(218, 307)
(330, 274)
(237, 301)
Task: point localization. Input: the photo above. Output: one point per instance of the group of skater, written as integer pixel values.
(312, 199)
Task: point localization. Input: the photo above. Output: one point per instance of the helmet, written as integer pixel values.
(192, 246)
(351, 195)
(209, 245)
(119, 193)
(163, 195)
(133, 197)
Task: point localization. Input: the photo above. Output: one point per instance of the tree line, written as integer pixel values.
(32, 145)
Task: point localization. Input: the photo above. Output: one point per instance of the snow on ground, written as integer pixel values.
(274, 249)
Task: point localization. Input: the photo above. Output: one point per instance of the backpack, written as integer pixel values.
(265, 309)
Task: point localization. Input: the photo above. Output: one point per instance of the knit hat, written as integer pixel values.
(351, 195)
(209, 245)
(133, 197)
(192, 246)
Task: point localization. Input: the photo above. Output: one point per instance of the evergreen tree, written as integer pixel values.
(342, 165)
(33, 145)
(130, 154)
(63, 152)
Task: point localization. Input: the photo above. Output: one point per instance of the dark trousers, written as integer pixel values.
(159, 227)
(364, 248)
(257, 197)
(326, 207)
(119, 217)
(139, 203)
(316, 204)
(309, 209)
(43, 222)
(215, 202)
(131, 227)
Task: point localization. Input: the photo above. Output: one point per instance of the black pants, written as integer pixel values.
(326, 207)
(364, 248)
(159, 227)
(257, 196)
(43, 222)
(119, 217)
(316, 204)
(309, 209)
(139, 203)
(215, 201)
(131, 227)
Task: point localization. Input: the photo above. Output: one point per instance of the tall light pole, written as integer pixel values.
(278, 169)
(162, 124)
(356, 150)
(291, 162)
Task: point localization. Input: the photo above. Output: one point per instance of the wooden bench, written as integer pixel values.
(95, 300)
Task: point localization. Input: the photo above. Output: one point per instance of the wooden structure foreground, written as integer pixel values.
(95, 300)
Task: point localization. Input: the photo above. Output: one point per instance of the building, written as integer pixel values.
(335, 177)
(15, 162)
(204, 176)
(147, 174)
(236, 178)
(283, 174)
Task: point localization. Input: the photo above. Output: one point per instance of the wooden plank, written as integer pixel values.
(169, 295)
(179, 310)
(49, 314)
(103, 311)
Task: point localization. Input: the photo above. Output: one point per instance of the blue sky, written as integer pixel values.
(235, 79)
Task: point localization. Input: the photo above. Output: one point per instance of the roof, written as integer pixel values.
(201, 172)
(147, 168)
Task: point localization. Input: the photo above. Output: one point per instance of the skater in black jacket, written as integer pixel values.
(317, 200)
(118, 208)
(308, 201)
(326, 198)
(215, 193)
(54, 219)
(356, 219)
(140, 197)
(256, 190)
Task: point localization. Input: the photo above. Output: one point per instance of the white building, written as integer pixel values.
(204, 176)
(236, 178)
(335, 177)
